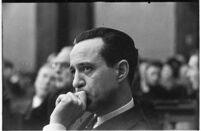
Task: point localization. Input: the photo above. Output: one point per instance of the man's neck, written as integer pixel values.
(110, 115)
(123, 96)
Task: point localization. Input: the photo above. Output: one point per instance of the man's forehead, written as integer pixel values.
(45, 70)
(86, 51)
(87, 47)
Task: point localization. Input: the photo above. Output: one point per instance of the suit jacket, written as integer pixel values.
(133, 119)
(35, 118)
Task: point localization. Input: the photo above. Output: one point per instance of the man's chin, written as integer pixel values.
(88, 103)
(90, 106)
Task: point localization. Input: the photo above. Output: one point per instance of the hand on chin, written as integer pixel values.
(69, 107)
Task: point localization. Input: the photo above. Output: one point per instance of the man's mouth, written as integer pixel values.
(88, 99)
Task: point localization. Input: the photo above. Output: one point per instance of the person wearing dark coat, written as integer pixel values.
(103, 62)
(36, 115)
(63, 82)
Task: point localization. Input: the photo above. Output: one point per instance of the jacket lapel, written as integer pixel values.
(125, 121)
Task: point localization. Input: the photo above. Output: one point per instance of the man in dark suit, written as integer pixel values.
(63, 83)
(103, 62)
(36, 115)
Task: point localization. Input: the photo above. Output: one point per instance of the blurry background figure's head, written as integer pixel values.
(45, 81)
(193, 71)
(143, 63)
(142, 67)
(8, 69)
(152, 73)
(60, 65)
(12, 82)
(170, 72)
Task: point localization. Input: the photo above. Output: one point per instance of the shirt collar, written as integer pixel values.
(36, 101)
(102, 119)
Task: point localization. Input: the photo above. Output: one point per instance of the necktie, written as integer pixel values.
(91, 123)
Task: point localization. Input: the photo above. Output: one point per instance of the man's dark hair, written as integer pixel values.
(117, 46)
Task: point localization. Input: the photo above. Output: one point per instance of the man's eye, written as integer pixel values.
(87, 69)
(65, 65)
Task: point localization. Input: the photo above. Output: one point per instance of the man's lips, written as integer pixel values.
(88, 100)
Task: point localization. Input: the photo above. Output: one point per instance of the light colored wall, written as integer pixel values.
(150, 25)
(19, 26)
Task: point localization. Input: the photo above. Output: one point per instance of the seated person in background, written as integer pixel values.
(11, 80)
(64, 78)
(36, 115)
(12, 93)
(152, 80)
(169, 80)
(102, 62)
(154, 92)
(193, 75)
(7, 94)
(183, 78)
(142, 69)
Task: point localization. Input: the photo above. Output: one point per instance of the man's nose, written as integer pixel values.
(57, 69)
(78, 82)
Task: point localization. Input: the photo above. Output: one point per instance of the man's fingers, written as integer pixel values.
(68, 108)
(76, 98)
(72, 97)
(59, 98)
(82, 97)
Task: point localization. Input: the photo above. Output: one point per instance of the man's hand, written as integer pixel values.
(68, 108)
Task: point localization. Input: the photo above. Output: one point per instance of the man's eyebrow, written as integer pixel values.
(60, 62)
(83, 64)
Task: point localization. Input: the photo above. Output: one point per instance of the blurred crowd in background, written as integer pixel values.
(29, 99)
(34, 74)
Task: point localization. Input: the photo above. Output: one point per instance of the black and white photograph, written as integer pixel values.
(100, 66)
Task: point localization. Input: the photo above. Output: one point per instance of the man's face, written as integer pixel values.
(45, 81)
(193, 72)
(152, 75)
(142, 68)
(166, 73)
(61, 66)
(92, 75)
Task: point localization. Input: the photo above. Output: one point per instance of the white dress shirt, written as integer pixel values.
(36, 102)
(104, 118)
(100, 119)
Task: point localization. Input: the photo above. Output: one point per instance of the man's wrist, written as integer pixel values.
(54, 127)
(56, 120)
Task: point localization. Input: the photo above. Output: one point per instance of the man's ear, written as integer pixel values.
(122, 69)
